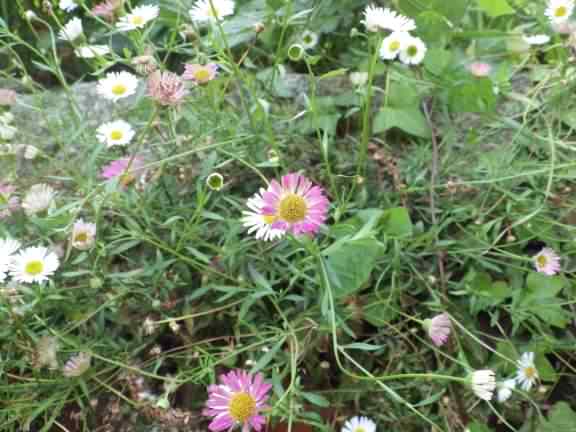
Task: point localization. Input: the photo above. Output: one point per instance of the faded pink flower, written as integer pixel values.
(547, 261)
(8, 202)
(480, 69)
(439, 328)
(166, 88)
(200, 74)
(7, 97)
(129, 169)
(237, 401)
(107, 9)
(295, 205)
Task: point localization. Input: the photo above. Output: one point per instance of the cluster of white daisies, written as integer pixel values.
(399, 43)
(36, 264)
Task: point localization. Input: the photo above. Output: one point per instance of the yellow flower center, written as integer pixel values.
(119, 89)
(81, 237)
(412, 50)
(137, 20)
(360, 429)
(560, 11)
(202, 75)
(34, 267)
(126, 179)
(542, 261)
(292, 208)
(269, 219)
(530, 372)
(116, 135)
(394, 45)
(242, 406)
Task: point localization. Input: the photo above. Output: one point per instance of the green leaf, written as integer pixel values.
(496, 8)
(472, 96)
(350, 265)
(454, 10)
(396, 222)
(561, 418)
(410, 120)
(437, 60)
(539, 285)
(433, 27)
(316, 399)
(478, 427)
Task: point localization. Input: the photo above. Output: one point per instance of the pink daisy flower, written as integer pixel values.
(166, 88)
(8, 202)
(439, 328)
(237, 401)
(547, 262)
(107, 9)
(480, 69)
(295, 204)
(200, 74)
(128, 169)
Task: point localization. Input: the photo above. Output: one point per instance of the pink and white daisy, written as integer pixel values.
(237, 401)
(259, 223)
(200, 74)
(128, 170)
(295, 204)
(7, 97)
(107, 9)
(83, 235)
(166, 88)
(480, 69)
(439, 328)
(547, 261)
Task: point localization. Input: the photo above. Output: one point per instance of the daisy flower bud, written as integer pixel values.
(504, 389)
(483, 383)
(215, 181)
(296, 52)
(439, 328)
(77, 365)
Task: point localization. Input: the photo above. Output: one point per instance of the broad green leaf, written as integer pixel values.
(316, 399)
(350, 265)
(410, 120)
(472, 96)
(560, 419)
(437, 60)
(433, 27)
(454, 10)
(496, 8)
(396, 222)
(539, 285)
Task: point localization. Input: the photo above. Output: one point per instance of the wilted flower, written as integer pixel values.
(7, 249)
(7, 131)
(547, 261)
(258, 222)
(107, 9)
(295, 204)
(117, 85)
(38, 198)
(7, 97)
(116, 133)
(45, 352)
(359, 424)
(145, 64)
(505, 389)
(480, 69)
(91, 51)
(237, 401)
(33, 265)
(67, 5)
(128, 170)
(148, 326)
(215, 181)
(77, 365)
(72, 30)
(200, 74)
(439, 328)
(138, 18)
(83, 235)
(527, 373)
(211, 10)
(377, 18)
(8, 202)
(358, 79)
(559, 11)
(539, 39)
(413, 51)
(483, 383)
(166, 88)
(309, 39)
(393, 44)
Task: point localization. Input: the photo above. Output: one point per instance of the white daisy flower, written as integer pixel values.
(72, 30)
(138, 18)
(559, 11)
(116, 133)
(393, 45)
(527, 374)
(540, 39)
(83, 235)
(358, 79)
(205, 11)
(309, 39)
(33, 265)
(30, 15)
(377, 18)
(67, 5)
(359, 424)
(505, 389)
(38, 198)
(483, 383)
(117, 85)
(91, 51)
(413, 51)
(255, 221)
(7, 249)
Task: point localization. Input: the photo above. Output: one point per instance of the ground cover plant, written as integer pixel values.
(287, 215)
